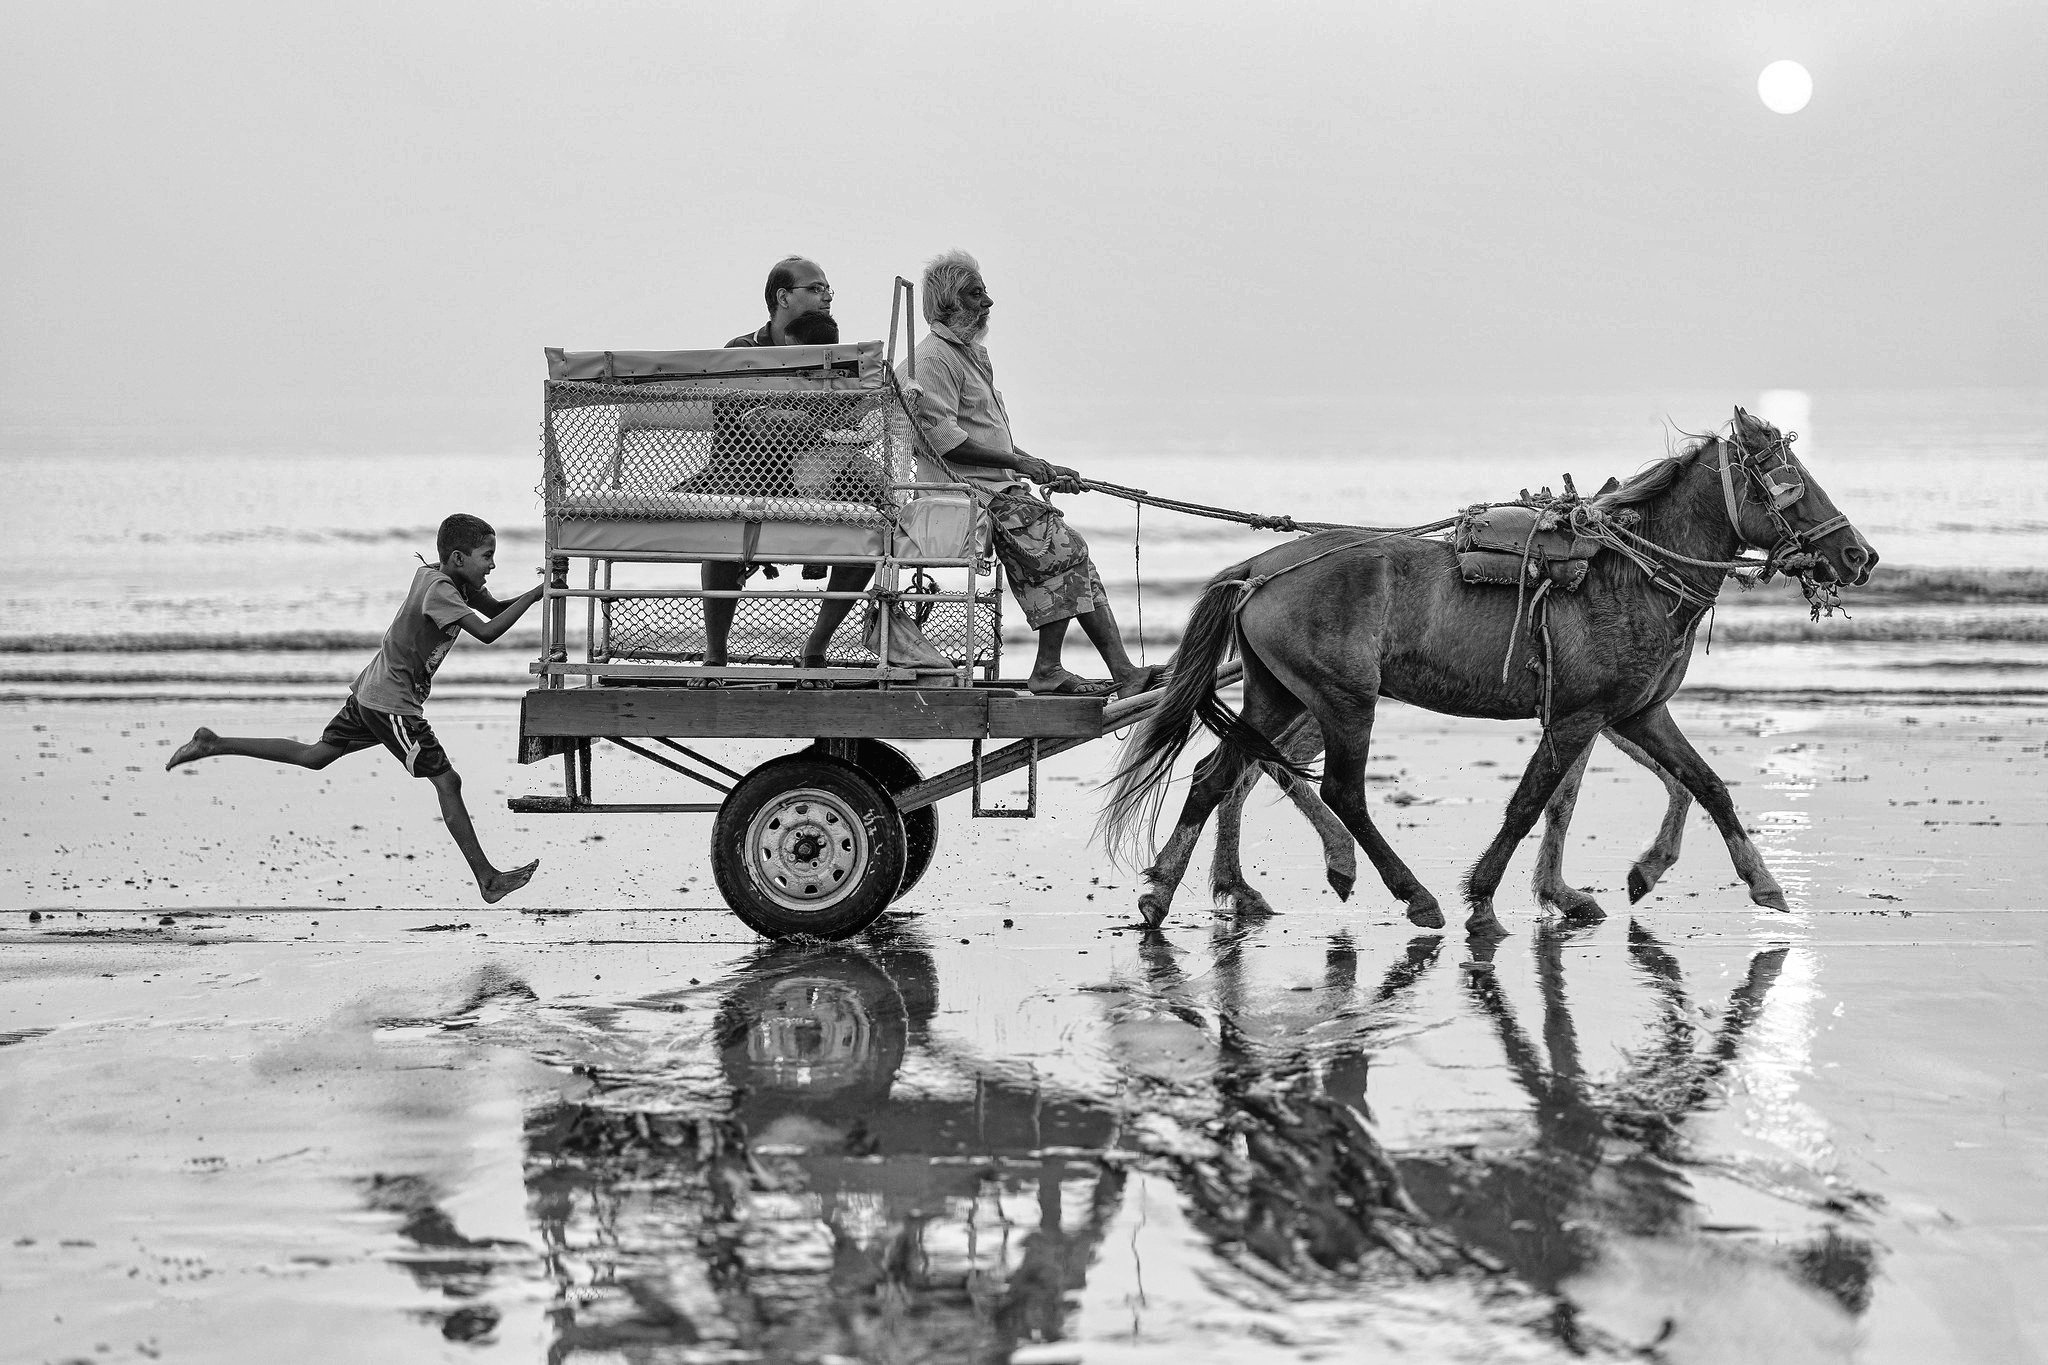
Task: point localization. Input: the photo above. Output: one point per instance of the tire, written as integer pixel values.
(807, 845)
(891, 767)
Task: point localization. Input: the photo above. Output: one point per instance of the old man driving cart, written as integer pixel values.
(961, 415)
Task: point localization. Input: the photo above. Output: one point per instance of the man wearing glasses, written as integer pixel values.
(799, 298)
(795, 287)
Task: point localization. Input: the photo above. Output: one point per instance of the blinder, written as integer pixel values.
(1781, 487)
(1783, 495)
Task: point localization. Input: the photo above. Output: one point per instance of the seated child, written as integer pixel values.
(384, 703)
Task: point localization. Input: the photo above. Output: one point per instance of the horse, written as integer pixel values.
(1329, 623)
(1303, 742)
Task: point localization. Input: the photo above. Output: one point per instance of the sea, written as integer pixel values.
(130, 571)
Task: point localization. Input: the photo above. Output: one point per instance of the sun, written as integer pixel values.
(1784, 87)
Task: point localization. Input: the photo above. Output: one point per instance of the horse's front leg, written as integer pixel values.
(1562, 748)
(1215, 779)
(1551, 888)
(1662, 851)
(1660, 737)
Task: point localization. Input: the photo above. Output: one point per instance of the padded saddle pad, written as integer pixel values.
(1507, 530)
(1509, 545)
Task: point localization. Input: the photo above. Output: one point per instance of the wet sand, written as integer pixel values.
(336, 1109)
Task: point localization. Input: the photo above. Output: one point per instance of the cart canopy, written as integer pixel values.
(861, 360)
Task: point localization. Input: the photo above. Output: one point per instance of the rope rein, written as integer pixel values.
(1258, 521)
(1584, 518)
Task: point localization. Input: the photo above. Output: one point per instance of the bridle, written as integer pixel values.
(1779, 485)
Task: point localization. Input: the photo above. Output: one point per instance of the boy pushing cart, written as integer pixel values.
(386, 702)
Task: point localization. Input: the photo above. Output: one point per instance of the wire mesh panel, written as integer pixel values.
(771, 448)
(772, 630)
(752, 455)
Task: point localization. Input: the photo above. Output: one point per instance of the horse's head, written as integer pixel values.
(1775, 505)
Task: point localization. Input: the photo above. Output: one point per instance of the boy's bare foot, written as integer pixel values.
(503, 884)
(199, 746)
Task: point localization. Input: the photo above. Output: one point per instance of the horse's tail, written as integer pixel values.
(1149, 755)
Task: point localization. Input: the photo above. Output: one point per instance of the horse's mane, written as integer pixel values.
(1659, 477)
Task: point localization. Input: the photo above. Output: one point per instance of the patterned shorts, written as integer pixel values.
(1051, 575)
(409, 738)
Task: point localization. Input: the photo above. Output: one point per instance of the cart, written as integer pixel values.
(656, 462)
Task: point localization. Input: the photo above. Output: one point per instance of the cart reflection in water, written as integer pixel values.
(814, 1213)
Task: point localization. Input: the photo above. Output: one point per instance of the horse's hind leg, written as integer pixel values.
(1551, 888)
(1662, 851)
(1216, 779)
(1267, 708)
(1562, 748)
(1660, 737)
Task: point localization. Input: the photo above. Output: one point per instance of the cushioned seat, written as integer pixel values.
(781, 542)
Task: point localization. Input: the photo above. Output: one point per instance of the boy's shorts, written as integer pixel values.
(410, 738)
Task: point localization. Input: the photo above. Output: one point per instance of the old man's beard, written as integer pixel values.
(969, 326)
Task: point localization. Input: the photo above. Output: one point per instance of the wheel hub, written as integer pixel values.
(807, 849)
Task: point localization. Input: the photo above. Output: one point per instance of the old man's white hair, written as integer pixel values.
(945, 275)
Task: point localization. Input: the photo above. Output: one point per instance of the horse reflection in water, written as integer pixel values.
(857, 1188)
(1592, 1208)
(1597, 1208)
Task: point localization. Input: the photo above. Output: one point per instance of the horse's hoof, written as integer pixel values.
(1573, 904)
(1341, 882)
(1771, 899)
(1242, 900)
(1481, 924)
(1424, 912)
(1640, 884)
(1152, 909)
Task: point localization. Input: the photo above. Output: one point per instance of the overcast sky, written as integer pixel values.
(363, 222)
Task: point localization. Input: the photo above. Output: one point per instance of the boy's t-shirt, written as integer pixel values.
(398, 679)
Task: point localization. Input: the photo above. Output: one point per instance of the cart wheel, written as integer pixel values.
(807, 845)
(891, 767)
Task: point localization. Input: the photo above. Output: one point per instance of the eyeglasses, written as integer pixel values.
(819, 288)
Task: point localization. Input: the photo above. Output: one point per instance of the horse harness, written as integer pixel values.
(1551, 540)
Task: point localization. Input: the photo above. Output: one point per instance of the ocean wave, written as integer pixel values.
(1971, 585)
(308, 535)
(197, 642)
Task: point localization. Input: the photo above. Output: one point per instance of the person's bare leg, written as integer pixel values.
(206, 744)
(844, 578)
(1101, 629)
(719, 576)
(494, 885)
(1047, 672)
